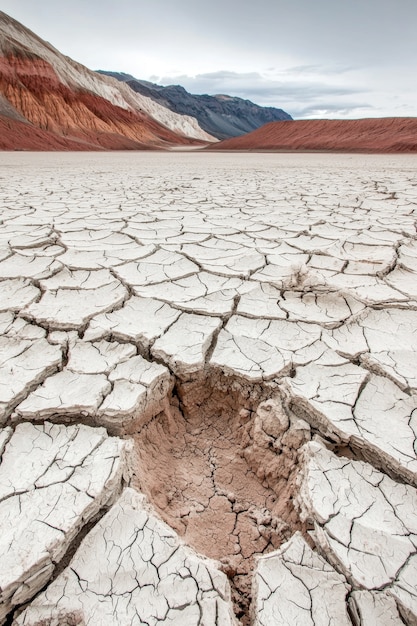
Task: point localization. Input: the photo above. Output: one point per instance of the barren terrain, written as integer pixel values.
(208, 390)
(372, 135)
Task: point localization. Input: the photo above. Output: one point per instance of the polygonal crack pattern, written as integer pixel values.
(234, 337)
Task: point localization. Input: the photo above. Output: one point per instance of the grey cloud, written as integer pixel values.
(301, 90)
(228, 75)
(354, 32)
(330, 109)
(254, 85)
(325, 70)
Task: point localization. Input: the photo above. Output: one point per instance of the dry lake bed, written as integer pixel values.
(208, 389)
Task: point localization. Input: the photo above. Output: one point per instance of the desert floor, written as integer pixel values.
(208, 389)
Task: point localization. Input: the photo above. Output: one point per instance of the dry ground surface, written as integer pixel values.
(208, 389)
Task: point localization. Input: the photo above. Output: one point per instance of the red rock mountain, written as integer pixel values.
(365, 135)
(50, 102)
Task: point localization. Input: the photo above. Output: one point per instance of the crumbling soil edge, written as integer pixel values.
(219, 465)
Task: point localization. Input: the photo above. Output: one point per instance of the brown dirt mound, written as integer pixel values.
(384, 135)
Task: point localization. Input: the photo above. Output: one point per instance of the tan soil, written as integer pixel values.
(223, 477)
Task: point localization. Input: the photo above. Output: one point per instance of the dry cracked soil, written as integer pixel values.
(208, 390)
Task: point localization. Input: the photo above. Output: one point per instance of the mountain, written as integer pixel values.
(48, 101)
(364, 135)
(221, 116)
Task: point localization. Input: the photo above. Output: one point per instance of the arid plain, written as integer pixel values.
(209, 389)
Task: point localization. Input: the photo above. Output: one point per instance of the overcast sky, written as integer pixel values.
(313, 58)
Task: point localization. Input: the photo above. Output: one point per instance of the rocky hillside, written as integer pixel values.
(222, 116)
(366, 135)
(49, 101)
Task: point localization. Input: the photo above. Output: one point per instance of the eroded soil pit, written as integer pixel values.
(220, 466)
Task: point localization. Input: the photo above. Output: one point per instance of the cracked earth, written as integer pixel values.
(208, 389)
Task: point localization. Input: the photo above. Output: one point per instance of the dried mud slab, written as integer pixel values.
(24, 364)
(351, 405)
(67, 308)
(290, 586)
(372, 607)
(132, 569)
(140, 320)
(68, 475)
(104, 384)
(364, 522)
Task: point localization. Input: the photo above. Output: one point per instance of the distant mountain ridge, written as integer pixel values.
(50, 102)
(221, 115)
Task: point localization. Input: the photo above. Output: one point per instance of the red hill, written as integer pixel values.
(385, 135)
(50, 102)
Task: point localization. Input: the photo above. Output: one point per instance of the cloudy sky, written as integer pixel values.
(313, 58)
